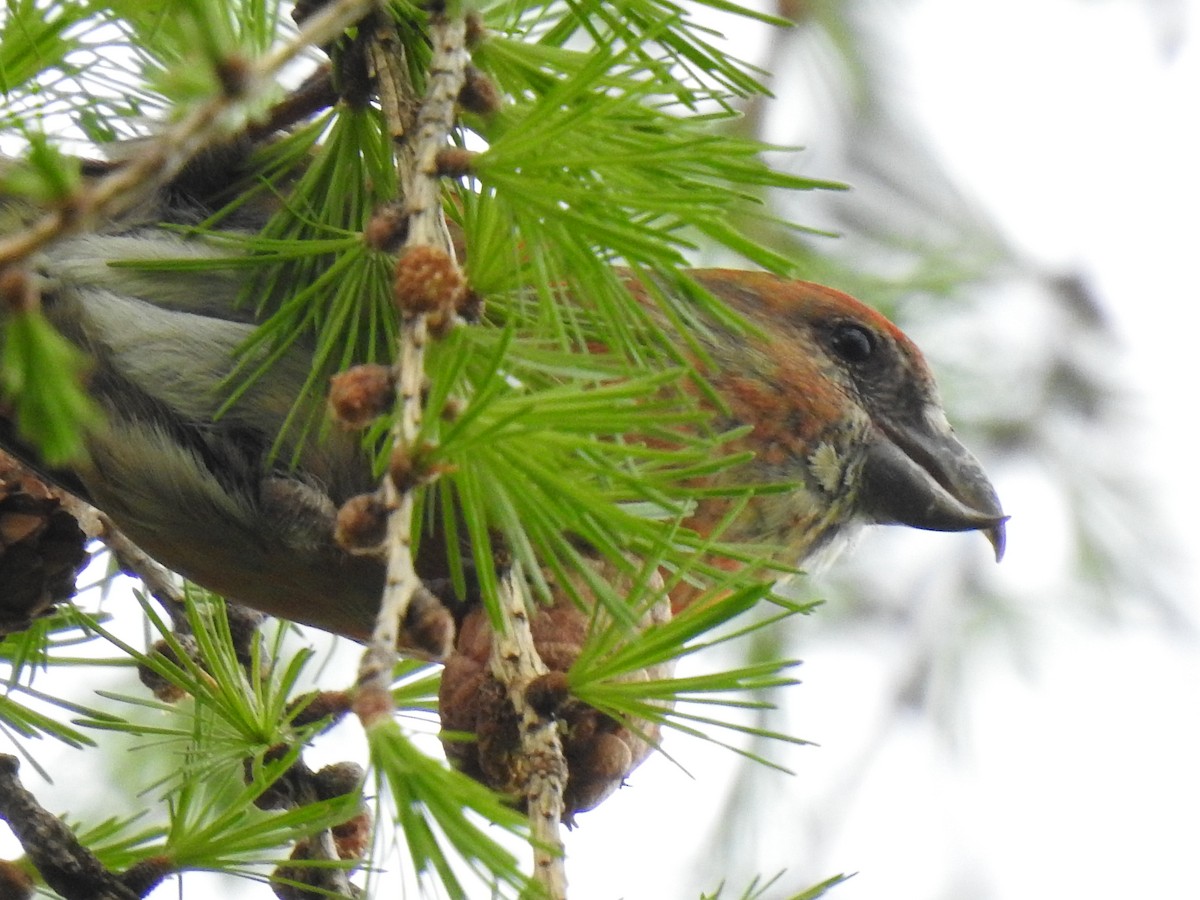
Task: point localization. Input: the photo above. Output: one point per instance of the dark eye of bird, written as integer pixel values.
(853, 343)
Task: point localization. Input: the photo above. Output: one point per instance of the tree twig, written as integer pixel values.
(417, 143)
(515, 663)
(66, 865)
(160, 158)
(159, 580)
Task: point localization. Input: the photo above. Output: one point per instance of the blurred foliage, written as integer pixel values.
(1029, 366)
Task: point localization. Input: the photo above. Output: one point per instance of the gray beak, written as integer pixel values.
(918, 474)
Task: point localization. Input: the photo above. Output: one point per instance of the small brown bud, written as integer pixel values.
(18, 293)
(318, 705)
(164, 689)
(547, 693)
(428, 625)
(427, 279)
(361, 524)
(361, 394)
(453, 408)
(479, 93)
(470, 308)
(410, 466)
(387, 228)
(476, 30)
(402, 469)
(337, 780)
(234, 73)
(454, 162)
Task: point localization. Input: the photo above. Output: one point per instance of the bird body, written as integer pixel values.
(838, 401)
(197, 483)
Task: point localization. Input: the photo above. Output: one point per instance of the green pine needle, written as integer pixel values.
(42, 373)
(435, 809)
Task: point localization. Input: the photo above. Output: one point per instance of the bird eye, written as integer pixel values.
(853, 343)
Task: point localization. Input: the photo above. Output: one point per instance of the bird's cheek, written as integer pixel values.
(827, 468)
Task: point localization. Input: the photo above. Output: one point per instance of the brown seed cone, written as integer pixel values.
(42, 548)
(428, 280)
(307, 882)
(361, 394)
(600, 751)
(163, 688)
(479, 93)
(353, 837)
(361, 524)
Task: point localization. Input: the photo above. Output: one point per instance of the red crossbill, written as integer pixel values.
(838, 401)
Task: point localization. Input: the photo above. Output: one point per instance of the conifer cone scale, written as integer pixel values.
(42, 548)
(480, 724)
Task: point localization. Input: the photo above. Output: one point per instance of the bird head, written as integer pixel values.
(839, 401)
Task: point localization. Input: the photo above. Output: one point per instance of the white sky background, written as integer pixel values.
(1081, 777)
